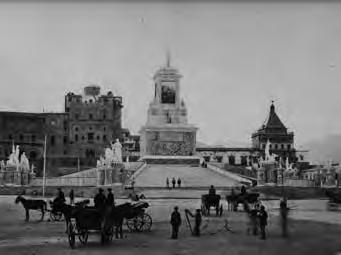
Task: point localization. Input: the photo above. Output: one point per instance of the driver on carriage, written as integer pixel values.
(59, 200)
(99, 199)
(212, 190)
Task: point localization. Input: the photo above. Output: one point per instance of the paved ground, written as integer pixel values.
(155, 176)
(307, 237)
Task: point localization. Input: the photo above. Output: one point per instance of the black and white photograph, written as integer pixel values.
(170, 127)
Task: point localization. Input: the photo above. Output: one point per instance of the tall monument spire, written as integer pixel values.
(168, 58)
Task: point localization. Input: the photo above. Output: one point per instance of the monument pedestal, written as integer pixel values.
(171, 160)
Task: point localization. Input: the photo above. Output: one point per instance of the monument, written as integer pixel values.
(109, 167)
(167, 137)
(17, 169)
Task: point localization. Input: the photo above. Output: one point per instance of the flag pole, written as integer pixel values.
(44, 169)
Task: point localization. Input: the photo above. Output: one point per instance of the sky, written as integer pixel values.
(234, 57)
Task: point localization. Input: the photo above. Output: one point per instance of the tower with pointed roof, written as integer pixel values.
(274, 131)
(167, 132)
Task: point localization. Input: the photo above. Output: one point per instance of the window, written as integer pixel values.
(76, 129)
(104, 116)
(83, 137)
(76, 138)
(53, 140)
(104, 137)
(282, 146)
(270, 146)
(33, 138)
(98, 138)
(289, 146)
(65, 139)
(21, 137)
(90, 116)
(276, 146)
(90, 137)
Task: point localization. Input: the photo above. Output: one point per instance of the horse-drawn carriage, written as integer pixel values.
(84, 220)
(211, 200)
(334, 199)
(233, 200)
(137, 219)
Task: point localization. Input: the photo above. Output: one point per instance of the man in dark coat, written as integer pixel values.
(263, 221)
(61, 196)
(110, 198)
(99, 199)
(284, 210)
(212, 190)
(173, 182)
(179, 182)
(198, 221)
(72, 197)
(175, 222)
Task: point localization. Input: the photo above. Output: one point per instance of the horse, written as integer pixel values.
(32, 204)
(115, 217)
(211, 200)
(234, 200)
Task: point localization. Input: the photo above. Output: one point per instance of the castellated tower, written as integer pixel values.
(167, 132)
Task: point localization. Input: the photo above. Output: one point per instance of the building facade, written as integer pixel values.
(75, 137)
(274, 131)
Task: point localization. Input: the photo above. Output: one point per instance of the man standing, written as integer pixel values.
(99, 199)
(167, 183)
(263, 221)
(173, 182)
(72, 197)
(179, 182)
(284, 210)
(175, 222)
(110, 198)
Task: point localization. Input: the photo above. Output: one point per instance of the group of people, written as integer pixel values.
(174, 182)
(101, 201)
(258, 220)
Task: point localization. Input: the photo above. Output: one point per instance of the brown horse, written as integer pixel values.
(32, 204)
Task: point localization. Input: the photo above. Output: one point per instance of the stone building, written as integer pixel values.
(273, 130)
(75, 137)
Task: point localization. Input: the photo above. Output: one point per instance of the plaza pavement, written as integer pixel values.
(155, 176)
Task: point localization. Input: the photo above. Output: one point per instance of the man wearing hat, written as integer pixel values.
(175, 222)
(110, 198)
(99, 199)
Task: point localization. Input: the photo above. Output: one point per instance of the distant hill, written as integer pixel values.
(325, 149)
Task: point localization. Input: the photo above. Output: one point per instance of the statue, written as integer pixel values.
(117, 151)
(2, 165)
(98, 164)
(16, 158)
(109, 156)
(11, 159)
(24, 164)
(32, 169)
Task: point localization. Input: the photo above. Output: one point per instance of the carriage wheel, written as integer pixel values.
(71, 235)
(83, 236)
(130, 224)
(134, 224)
(146, 222)
(56, 216)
